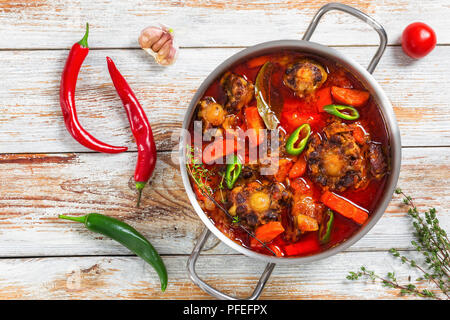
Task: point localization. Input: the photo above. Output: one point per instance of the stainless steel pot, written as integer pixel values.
(369, 83)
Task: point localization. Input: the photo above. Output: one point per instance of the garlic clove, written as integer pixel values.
(149, 36)
(171, 56)
(159, 43)
(165, 49)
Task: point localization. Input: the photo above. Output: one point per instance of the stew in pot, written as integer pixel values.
(321, 150)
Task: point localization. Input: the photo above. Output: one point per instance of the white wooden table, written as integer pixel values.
(44, 172)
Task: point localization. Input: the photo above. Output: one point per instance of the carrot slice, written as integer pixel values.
(254, 121)
(323, 97)
(344, 207)
(298, 169)
(267, 232)
(257, 62)
(353, 97)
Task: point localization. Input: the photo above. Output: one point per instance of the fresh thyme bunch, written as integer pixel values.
(432, 242)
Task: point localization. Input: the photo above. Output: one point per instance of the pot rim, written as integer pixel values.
(367, 81)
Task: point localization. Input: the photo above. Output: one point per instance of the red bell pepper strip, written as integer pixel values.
(276, 249)
(219, 148)
(303, 247)
(359, 134)
(293, 119)
(298, 169)
(255, 122)
(69, 77)
(140, 127)
(323, 97)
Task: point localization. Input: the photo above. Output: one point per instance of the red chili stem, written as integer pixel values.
(140, 128)
(69, 78)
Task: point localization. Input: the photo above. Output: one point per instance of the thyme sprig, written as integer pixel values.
(432, 242)
(221, 186)
(200, 175)
(390, 281)
(197, 171)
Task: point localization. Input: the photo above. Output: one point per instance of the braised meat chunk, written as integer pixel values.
(258, 203)
(211, 112)
(338, 161)
(377, 160)
(307, 213)
(304, 76)
(304, 204)
(239, 91)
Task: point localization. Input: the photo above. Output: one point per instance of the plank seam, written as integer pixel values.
(178, 254)
(209, 47)
(163, 151)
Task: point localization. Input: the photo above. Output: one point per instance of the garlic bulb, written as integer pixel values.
(159, 43)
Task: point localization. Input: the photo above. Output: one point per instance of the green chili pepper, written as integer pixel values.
(127, 236)
(294, 148)
(335, 110)
(325, 227)
(233, 172)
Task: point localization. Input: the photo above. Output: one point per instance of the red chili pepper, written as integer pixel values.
(140, 127)
(69, 77)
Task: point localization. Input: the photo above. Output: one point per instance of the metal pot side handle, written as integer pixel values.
(212, 291)
(358, 14)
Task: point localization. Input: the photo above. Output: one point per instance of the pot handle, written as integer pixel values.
(212, 291)
(360, 15)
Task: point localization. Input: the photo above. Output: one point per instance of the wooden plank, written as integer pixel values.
(36, 188)
(31, 119)
(131, 278)
(200, 23)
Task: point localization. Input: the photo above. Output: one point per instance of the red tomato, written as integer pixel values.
(294, 119)
(418, 40)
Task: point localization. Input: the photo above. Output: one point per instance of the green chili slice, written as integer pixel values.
(233, 172)
(325, 227)
(127, 236)
(293, 146)
(335, 110)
